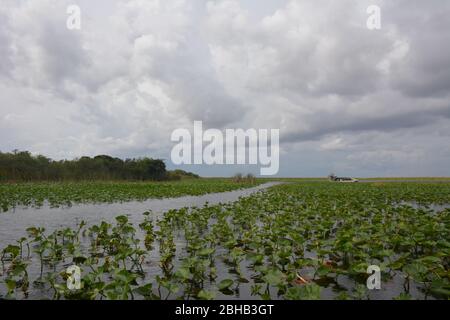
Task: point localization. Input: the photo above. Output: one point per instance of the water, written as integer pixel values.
(13, 223)
(435, 207)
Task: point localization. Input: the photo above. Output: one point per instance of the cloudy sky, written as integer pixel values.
(346, 99)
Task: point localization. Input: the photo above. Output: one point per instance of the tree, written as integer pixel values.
(23, 166)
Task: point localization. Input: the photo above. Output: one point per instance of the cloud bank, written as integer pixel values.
(345, 98)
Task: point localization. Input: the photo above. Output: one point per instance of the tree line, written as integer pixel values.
(23, 166)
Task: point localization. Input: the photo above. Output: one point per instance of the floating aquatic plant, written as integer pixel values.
(294, 241)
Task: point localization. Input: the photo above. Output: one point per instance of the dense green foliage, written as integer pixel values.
(22, 166)
(67, 193)
(296, 241)
(181, 174)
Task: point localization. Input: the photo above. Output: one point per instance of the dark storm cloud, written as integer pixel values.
(338, 123)
(188, 77)
(54, 43)
(183, 66)
(425, 71)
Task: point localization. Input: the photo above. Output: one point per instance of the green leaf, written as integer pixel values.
(206, 295)
(304, 292)
(145, 290)
(274, 277)
(323, 271)
(256, 259)
(415, 270)
(184, 273)
(206, 252)
(10, 284)
(225, 284)
(360, 267)
(430, 259)
(122, 219)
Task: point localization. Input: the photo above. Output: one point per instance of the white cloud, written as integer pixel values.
(354, 99)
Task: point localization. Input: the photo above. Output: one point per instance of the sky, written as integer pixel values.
(346, 99)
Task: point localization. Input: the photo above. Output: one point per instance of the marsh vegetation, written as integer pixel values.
(301, 240)
(37, 194)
